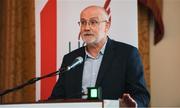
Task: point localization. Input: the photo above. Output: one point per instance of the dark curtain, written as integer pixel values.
(145, 17)
(155, 9)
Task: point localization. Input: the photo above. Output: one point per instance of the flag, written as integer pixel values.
(108, 8)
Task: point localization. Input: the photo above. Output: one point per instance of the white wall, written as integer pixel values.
(165, 59)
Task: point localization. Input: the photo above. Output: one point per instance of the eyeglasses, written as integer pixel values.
(91, 23)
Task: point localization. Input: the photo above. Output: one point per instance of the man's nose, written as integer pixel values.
(87, 26)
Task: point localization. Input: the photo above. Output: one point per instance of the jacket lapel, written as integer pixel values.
(80, 68)
(106, 61)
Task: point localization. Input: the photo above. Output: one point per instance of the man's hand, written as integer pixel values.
(127, 101)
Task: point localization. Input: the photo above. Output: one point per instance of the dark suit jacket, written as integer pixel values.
(121, 71)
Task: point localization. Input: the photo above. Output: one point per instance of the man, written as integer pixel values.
(115, 67)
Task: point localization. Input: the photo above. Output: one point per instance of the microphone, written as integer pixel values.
(76, 62)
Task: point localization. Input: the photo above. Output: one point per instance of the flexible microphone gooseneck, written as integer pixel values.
(60, 72)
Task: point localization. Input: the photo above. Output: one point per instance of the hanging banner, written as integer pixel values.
(57, 32)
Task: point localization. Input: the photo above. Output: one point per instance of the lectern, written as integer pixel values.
(75, 103)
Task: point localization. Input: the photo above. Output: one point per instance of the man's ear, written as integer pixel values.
(108, 24)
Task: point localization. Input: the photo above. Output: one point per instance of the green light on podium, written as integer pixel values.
(94, 93)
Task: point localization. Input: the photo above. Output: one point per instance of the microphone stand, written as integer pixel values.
(32, 81)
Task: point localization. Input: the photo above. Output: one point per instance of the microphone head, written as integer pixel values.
(76, 62)
(79, 59)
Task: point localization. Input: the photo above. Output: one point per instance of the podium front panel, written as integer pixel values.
(55, 105)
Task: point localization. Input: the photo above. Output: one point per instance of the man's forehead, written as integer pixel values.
(91, 18)
(92, 12)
